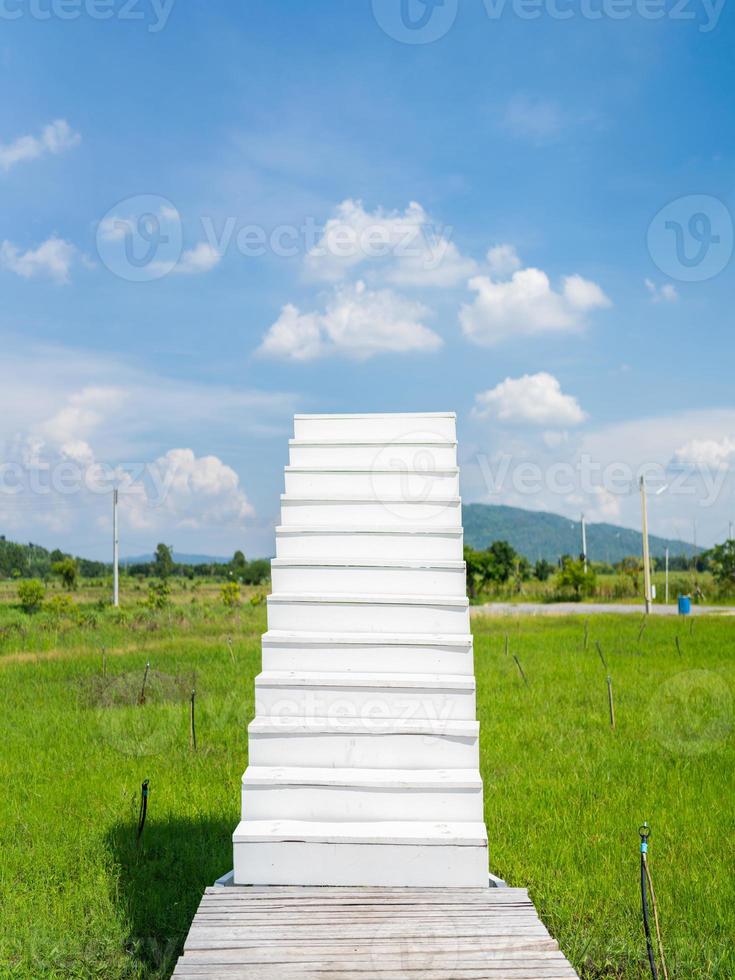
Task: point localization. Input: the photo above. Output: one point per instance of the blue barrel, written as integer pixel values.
(685, 605)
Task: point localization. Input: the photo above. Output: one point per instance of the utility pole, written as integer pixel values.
(584, 543)
(667, 576)
(115, 552)
(646, 556)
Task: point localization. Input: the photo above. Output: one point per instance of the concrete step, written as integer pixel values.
(326, 612)
(408, 542)
(324, 794)
(410, 653)
(367, 512)
(366, 576)
(431, 454)
(403, 426)
(381, 484)
(292, 694)
(426, 854)
(370, 743)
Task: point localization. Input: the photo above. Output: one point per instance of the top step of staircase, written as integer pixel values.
(417, 426)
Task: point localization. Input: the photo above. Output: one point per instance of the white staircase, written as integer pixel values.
(364, 752)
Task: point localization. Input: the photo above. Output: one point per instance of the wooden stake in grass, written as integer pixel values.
(601, 655)
(518, 664)
(192, 723)
(143, 811)
(611, 703)
(229, 647)
(141, 699)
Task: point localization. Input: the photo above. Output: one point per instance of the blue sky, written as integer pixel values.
(529, 176)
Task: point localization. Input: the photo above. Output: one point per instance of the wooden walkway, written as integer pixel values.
(269, 933)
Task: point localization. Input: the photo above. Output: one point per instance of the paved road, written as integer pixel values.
(588, 609)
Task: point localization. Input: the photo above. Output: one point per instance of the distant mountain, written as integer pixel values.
(537, 534)
(180, 558)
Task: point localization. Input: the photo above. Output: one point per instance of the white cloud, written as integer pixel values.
(52, 259)
(538, 120)
(54, 138)
(526, 304)
(662, 294)
(202, 258)
(534, 399)
(84, 412)
(186, 491)
(357, 322)
(503, 261)
(403, 248)
(715, 454)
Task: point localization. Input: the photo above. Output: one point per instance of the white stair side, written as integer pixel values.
(394, 484)
(404, 426)
(358, 577)
(406, 542)
(368, 512)
(376, 613)
(350, 652)
(401, 854)
(428, 455)
(440, 698)
(370, 743)
(313, 794)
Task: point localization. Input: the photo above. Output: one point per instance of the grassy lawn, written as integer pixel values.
(565, 794)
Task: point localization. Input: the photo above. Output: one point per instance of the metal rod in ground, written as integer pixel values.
(518, 664)
(143, 810)
(659, 942)
(601, 654)
(642, 627)
(678, 646)
(141, 699)
(610, 701)
(229, 647)
(192, 723)
(644, 835)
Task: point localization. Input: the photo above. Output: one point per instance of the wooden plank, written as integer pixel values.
(267, 933)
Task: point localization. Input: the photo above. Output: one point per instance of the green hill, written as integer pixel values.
(537, 534)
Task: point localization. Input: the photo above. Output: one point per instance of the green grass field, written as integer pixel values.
(564, 793)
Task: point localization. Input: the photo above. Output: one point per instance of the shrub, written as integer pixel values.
(60, 606)
(230, 593)
(30, 594)
(159, 595)
(573, 581)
